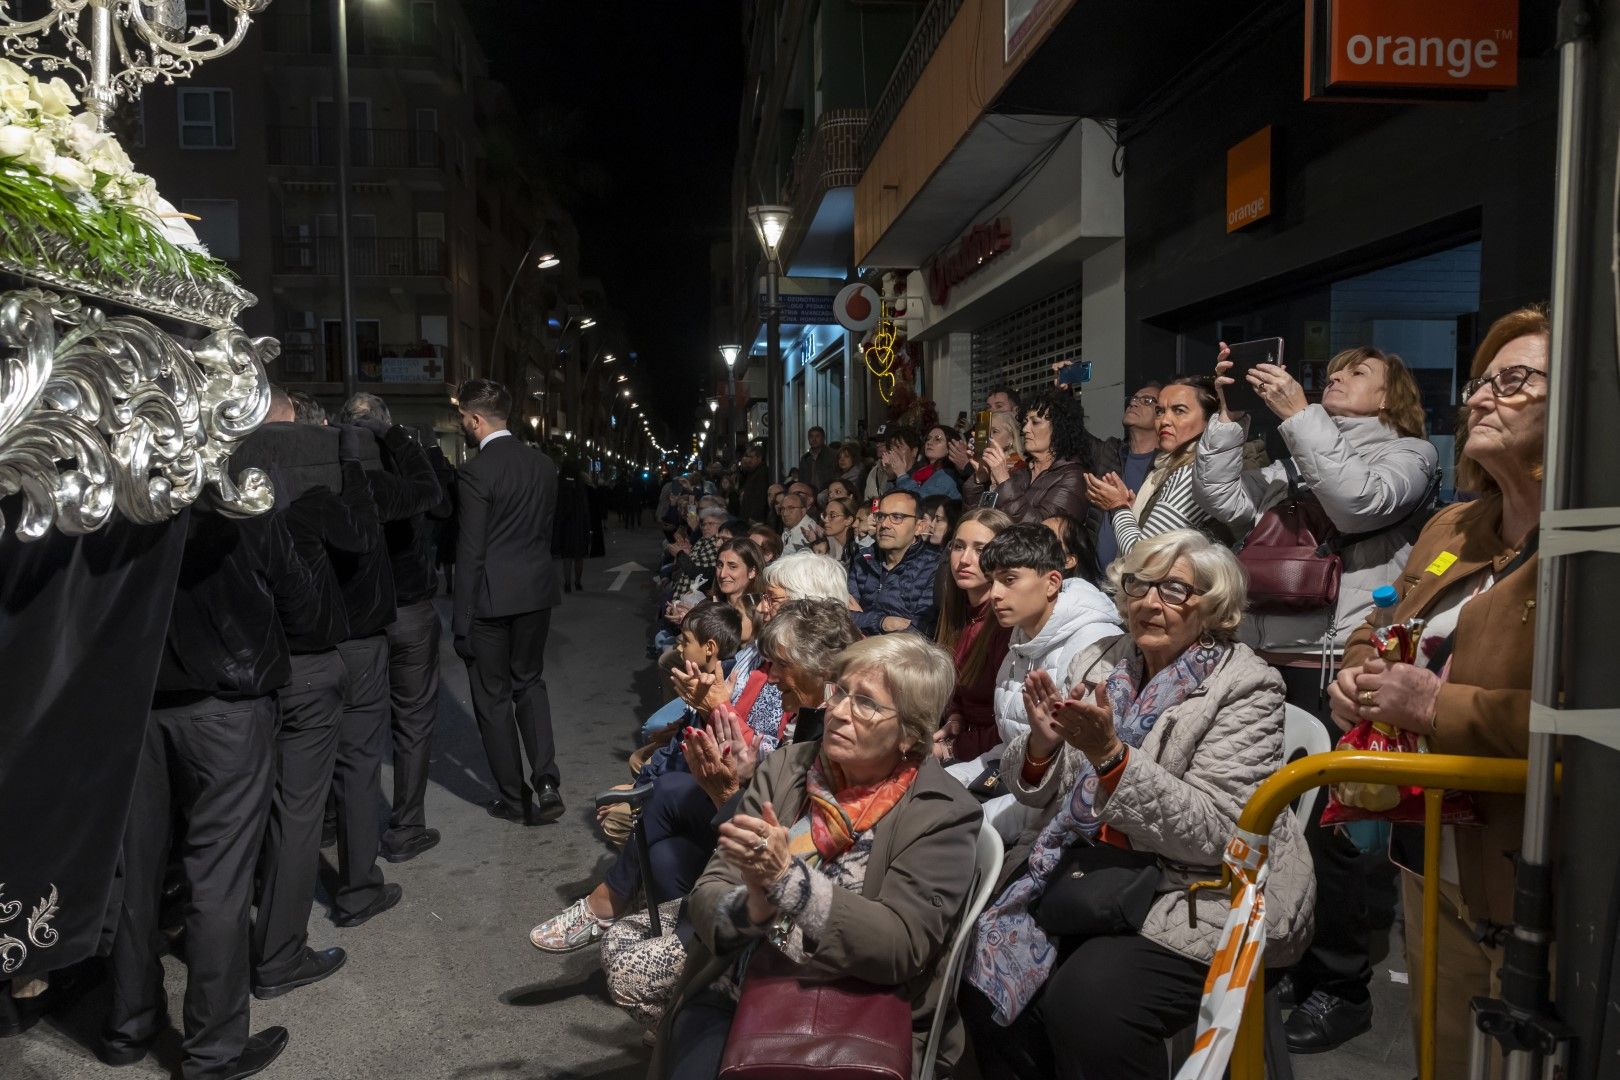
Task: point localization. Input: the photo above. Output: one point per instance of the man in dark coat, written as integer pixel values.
(753, 499)
(506, 586)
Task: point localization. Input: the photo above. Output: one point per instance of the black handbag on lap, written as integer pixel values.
(1098, 889)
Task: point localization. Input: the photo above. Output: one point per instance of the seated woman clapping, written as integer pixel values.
(850, 857)
(801, 645)
(1144, 768)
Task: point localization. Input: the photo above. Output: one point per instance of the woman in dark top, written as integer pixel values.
(1058, 453)
(977, 642)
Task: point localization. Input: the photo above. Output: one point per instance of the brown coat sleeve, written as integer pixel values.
(1061, 490)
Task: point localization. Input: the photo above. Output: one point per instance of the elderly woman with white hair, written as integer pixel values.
(1097, 951)
(847, 858)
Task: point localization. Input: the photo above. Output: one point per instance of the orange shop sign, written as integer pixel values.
(1248, 181)
(1440, 45)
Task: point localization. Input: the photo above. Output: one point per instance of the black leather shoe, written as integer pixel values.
(411, 846)
(312, 967)
(548, 804)
(1324, 1022)
(500, 808)
(389, 897)
(260, 1051)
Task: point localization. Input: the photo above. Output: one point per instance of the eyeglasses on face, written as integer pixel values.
(1171, 590)
(861, 707)
(1143, 399)
(892, 517)
(1505, 383)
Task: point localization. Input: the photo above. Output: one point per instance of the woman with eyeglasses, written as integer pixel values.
(1164, 502)
(1057, 456)
(847, 857)
(1362, 458)
(1472, 575)
(1142, 767)
(977, 642)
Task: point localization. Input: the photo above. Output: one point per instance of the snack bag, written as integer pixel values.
(1398, 644)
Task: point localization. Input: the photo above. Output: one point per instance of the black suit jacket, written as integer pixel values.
(508, 496)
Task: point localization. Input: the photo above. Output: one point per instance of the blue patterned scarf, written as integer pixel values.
(1012, 957)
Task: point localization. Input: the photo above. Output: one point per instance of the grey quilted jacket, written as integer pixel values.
(1181, 794)
(1366, 476)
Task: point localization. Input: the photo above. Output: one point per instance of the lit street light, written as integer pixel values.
(770, 225)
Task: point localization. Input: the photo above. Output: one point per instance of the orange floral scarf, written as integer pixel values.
(838, 813)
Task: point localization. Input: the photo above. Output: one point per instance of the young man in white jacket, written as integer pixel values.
(1052, 620)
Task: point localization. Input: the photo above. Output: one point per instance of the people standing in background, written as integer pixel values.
(1131, 457)
(820, 462)
(504, 595)
(596, 500)
(571, 526)
(1165, 501)
(753, 499)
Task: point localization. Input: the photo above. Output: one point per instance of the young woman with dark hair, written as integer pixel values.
(1166, 501)
(1079, 549)
(977, 642)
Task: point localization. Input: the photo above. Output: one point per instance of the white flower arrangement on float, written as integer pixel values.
(60, 176)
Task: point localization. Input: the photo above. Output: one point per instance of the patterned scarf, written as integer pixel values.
(1012, 957)
(839, 813)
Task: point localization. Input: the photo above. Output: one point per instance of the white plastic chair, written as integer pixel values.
(986, 869)
(1303, 735)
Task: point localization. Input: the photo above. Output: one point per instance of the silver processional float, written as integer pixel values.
(125, 384)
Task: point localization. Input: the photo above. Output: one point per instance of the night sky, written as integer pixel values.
(636, 103)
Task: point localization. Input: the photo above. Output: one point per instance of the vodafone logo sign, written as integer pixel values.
(1457, 44)
(856, 307)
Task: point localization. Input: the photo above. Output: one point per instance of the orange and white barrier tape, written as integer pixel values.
(1243, 943)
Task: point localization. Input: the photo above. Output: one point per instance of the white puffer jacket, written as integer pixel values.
(1083, 615)
(1366, 476)
(1180, 796)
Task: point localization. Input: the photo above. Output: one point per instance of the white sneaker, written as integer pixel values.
(575, 929)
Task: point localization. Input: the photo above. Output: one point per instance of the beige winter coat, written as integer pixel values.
(1180, 796)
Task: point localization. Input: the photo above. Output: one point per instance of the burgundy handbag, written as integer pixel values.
(1291, 556)
(788, 1029)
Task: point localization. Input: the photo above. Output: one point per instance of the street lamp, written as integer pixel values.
(545, 261)
(770, 225)
(548, 261)
(714, 406)
(587, 322)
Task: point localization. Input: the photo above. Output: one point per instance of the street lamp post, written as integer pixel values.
(351, 359)
(770, 225)
(729, 354)
(543, 261)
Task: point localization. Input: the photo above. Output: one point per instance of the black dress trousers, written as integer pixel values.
(507, 677)
(305, 756)
(413, 682)
(210, 760)
(357, 777)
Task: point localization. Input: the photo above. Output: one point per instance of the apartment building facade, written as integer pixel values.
(444, 240)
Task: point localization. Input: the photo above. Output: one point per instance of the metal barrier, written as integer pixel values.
(1435, 773)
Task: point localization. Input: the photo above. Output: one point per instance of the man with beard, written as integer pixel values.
(506, 587)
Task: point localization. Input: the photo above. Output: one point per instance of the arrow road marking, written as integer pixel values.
(624, 570)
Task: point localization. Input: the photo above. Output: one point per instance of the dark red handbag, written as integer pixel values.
(789, 1029)
(1291, 556)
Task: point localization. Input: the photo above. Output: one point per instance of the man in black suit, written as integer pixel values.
(505, 590)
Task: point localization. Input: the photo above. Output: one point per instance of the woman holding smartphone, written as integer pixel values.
(1058, 458)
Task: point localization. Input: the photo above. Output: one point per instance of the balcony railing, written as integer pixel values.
(372, 256)
(387, 148)
(304, 35)
(930, 31)
(827, 156)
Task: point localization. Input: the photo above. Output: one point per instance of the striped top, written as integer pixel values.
(1174, 508)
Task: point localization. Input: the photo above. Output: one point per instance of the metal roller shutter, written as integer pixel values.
(1018, 350)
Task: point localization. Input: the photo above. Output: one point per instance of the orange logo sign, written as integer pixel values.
(1248, 181)
(1454, 44)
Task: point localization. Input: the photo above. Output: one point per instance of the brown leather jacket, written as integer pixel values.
(1484, 707)
(1061, 489)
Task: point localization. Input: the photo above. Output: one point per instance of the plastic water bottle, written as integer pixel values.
(1384, 600)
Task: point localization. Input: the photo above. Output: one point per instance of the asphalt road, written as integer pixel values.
(446, 985)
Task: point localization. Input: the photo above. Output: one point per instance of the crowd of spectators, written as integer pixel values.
(1047, 632)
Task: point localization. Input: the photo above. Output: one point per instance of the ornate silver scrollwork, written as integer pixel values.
(13, 951)
(101, 413)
